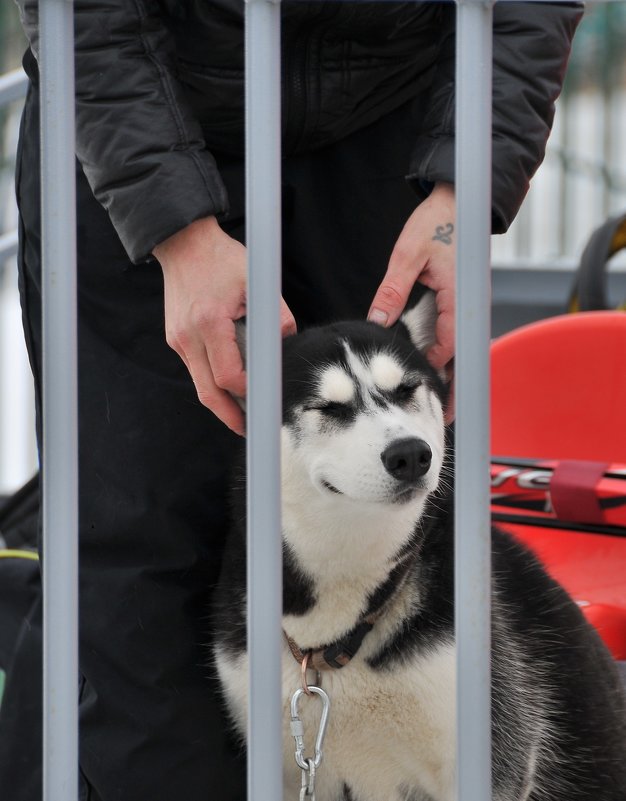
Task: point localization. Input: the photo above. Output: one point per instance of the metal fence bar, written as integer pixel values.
(60, 440)
(13, 86)
(8, 247)
(472, 540)
(263, 204)
(473, 84)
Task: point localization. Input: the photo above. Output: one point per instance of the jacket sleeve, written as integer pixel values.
(140, 146)
(531, 45)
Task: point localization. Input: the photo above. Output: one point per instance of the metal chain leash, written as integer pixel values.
(308, 765)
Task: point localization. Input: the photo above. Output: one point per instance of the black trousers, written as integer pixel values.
(154, 462)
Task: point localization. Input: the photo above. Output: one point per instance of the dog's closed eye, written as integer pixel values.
(403, 392)
(338, 411)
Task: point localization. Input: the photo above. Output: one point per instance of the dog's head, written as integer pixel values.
(363, 413)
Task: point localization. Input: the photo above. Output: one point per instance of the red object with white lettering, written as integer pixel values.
(587, 558)
(566, 491)
(559, 391)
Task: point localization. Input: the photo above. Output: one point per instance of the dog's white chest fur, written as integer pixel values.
(390, 734)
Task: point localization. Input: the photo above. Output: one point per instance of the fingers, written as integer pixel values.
(218, 372)
(211, 354)
(441, 353)
(390, 298)
(219, 341)
(220, 402)
(449, 411)
(210, 393)
(287, 320)
(393, 293)
(204, 272)
(424, 251)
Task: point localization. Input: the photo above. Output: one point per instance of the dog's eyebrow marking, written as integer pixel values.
(336, 386)
(386, 371)
(357, 367)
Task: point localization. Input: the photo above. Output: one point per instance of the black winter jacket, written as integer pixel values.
(159, 86)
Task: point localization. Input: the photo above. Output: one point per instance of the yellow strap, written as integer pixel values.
(574, 305)
(14, 553)
(619, 238)
(618, 243)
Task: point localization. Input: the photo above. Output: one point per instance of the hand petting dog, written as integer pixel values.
(425, 252)
(204, 271)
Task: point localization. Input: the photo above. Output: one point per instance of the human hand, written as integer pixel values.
(425, 251)
(204, 273)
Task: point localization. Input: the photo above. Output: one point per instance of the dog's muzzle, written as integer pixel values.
(407, 460)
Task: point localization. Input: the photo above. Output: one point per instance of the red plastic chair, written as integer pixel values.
(558, 388)
(559, 392)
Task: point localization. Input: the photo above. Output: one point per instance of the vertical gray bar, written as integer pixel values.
(472, 540)
(60, 439)
(263, 208)
(13, 86)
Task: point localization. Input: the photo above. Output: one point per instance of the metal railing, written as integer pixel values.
(60, 402)
(263, 237)
(13, 86)
(17, 438)
(474, 19)
(583, 176)
(264, 587)
(472, 530)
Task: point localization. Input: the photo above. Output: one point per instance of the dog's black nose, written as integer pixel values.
(407, 459)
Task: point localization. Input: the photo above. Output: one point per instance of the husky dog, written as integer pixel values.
(368, 595)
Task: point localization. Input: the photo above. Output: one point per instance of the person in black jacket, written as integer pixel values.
(368, 174)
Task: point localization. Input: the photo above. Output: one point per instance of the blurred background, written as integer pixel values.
(581, 183)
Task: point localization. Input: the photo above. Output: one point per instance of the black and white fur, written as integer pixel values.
(367, 483)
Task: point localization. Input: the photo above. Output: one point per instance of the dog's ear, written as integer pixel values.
(420, 321)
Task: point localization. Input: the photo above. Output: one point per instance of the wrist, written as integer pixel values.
(443, 189)
(205, 229)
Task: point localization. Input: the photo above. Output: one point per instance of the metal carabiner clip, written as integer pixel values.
(297, 729)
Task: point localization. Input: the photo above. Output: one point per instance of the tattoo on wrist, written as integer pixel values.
(443, 233)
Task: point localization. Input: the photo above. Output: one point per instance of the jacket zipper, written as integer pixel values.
(297, 89)
(297, 63)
